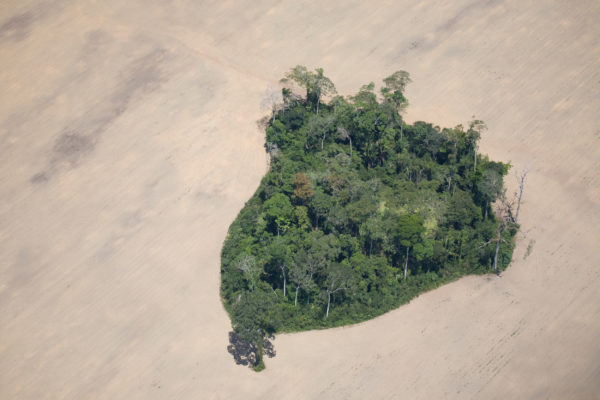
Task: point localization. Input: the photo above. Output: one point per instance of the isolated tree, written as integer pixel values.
(338, 278)
(408, 233)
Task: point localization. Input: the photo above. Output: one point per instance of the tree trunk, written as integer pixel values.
(496, 255)
(328, 302)
(350, 140)
(322, 141)
(318, 101)
(282, 267)
(296, 298)
(259, 352)
(406, 262)
(498, 240)
(518, 206)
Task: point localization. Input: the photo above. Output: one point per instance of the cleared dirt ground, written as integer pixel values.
(128, 143)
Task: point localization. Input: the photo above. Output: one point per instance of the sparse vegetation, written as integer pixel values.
(529, 248)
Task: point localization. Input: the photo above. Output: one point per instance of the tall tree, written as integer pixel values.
(393, 90)
(320, 127)
(490, 187)
(505, 218)
(408, 233)
(338, 278)
(323, 86)
(476, 127)
(248, 265)
(306, 264)
(280, 254)
(315, 83)
(302, 77)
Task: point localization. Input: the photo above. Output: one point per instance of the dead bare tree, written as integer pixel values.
(520, 176)
(503, 211)
(248, 265)
(272, 100)
(345, 135)
(338, 278)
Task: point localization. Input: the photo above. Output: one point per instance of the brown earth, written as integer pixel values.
(129, 142)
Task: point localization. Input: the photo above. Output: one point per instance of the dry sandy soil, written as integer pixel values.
(128, 143)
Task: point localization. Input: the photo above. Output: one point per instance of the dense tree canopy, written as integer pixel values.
(359, 211)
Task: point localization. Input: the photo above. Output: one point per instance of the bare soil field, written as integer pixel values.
(129, 142)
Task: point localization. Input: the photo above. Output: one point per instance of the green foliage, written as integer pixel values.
(302, 187)
(255, 315)
(359, 212)
(409, 229)
(278, 211)
(315, 83)
(259, 366)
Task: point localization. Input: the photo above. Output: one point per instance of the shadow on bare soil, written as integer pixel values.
(244, 353)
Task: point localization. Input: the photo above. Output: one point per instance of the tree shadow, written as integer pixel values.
(245, 353)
